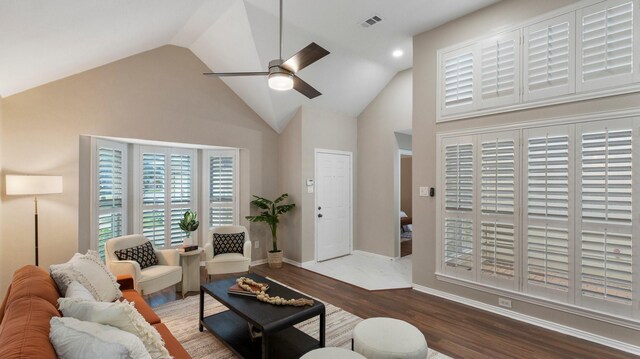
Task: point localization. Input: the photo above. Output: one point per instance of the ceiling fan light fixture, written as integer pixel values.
(281, 81)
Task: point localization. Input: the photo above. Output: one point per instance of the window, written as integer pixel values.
(167, 186)
(458, 80)
(572, 241)
(110, 192)
(222, 187)
(606, 47)
(499, 76)
(549, 58)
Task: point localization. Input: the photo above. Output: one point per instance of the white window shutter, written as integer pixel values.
(168, 185)
(549, 58)
(606, 47)
(547, 220)
(222, 197)
(498, 230)
(457, 225)
(606, 223)
(458, 80)
(500, 70)
(111, 168)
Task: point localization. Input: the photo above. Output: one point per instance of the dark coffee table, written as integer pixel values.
(279, 338)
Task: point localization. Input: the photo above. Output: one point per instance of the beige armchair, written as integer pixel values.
(227, 262)
(166, 273)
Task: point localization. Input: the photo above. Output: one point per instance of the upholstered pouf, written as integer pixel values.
(387, 338)
(332, 353)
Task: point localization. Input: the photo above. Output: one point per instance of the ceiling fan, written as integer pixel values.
(282, 74)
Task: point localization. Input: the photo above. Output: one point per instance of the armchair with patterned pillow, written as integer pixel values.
(152, 269)
(228, 250)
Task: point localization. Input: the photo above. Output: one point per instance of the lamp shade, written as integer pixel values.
(33, 185)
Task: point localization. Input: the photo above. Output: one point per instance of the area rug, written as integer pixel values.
(181, 317)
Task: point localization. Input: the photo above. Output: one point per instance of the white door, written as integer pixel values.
(333, 204)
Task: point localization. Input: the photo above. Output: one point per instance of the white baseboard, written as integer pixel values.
(373, 255)
(613, 343)
(258, 262)
(292, 262)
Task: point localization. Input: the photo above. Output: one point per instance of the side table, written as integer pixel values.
(190, 262)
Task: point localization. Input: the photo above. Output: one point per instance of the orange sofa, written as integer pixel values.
(31, 302)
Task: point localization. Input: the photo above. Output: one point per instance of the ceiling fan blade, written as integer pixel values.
(304, 88)
(305, 57)
(220, 74)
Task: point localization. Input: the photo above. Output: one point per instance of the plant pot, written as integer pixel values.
(275, 259)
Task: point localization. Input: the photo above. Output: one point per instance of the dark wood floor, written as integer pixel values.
(405, 248)
(450, 328)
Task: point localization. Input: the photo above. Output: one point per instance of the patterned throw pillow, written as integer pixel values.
(143, 254)
(228, 243)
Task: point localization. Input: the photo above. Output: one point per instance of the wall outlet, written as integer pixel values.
(256, 244)
(504, 302)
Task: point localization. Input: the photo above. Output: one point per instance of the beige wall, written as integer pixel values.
(328, 131)
(405, 185)
(309, 129)
(377, 220)
(290, 150)
(156, 95)
(424, 148)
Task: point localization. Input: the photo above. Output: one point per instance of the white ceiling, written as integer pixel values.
(43, 41)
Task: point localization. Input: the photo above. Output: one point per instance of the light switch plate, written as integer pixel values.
(424, 191)
(256, 244)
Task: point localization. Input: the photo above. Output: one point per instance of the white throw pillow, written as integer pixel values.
(72, 338)
(122, 315)
(88, 270)
(77, 290)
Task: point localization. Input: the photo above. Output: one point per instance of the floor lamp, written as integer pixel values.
(33, 186)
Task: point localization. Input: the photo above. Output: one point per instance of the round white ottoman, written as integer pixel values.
(332, 353)
(387, 338)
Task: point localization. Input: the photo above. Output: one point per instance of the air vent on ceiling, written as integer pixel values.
(371, 21)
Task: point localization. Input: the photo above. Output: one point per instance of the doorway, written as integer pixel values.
(334, 216)
(406, 204)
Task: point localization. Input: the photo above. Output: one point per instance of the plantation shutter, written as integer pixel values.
(181, 193)
(111, 192)
(153, 197)
(606, 228)
(500, 70)
(547, 221)
(167, 192)
(549, 58)
(606, 47)
(458, 222)
(457, 75)
(497, 217)
(222, 188)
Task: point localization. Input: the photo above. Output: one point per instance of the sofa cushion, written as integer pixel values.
(73, 338)
(143, 308)
(77, 290)
(89, 270)
(32, 281)
(144, 254)
(171, 343)
(228, 243)
(24, 332)
(121, 315)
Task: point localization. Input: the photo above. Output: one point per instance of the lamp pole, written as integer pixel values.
(35, 200)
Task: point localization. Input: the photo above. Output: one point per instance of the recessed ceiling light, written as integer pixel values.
(397, 53)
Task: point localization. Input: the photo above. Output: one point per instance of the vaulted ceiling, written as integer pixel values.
(43, 41)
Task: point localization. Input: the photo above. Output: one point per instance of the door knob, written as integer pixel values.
(319, 215)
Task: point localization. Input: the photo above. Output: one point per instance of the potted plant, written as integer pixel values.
(271, 211)
(188, 224)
